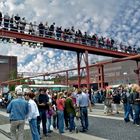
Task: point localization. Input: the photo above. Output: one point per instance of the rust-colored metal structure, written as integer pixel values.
(100, 75)
(81, 49)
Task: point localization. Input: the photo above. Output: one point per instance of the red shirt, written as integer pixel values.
(60, 104)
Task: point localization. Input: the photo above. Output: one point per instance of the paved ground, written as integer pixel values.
(101, 127)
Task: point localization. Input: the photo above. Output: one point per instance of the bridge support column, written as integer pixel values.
(100, 76)
(67, 80)
(79, 59)
(87, 70)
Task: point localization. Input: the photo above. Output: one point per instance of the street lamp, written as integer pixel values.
(125, 76)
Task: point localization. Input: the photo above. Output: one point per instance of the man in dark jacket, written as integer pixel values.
(116, 101)
(42, 103)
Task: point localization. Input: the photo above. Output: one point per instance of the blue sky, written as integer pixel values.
(111, 18)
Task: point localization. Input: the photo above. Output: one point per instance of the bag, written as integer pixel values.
(51, 127)
(78, 113)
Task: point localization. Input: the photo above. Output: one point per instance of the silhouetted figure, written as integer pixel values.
(12, 23)
(6, 21)
(46, 29)
(58, 32)
(41, 29)
(51, 29)
(22, 25)
(31, 29)
(0, 18)
(17, 21)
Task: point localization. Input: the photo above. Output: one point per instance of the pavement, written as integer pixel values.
(101, 127)
(5, 131)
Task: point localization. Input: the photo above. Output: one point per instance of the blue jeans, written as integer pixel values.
(55, 122)
(42, 118)
(60, 121)
(128, 110)
(137, 114)
(84, 117)
(71, 122)
(49, 122)
(34, 130)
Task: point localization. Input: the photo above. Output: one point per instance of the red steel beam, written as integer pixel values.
(100, 63)
(103, 63)
(93, 65)
(59, 44)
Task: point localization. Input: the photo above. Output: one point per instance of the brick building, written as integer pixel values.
(117, 73)
(8, 67)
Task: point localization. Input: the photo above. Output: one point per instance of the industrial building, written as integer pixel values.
(8, 67)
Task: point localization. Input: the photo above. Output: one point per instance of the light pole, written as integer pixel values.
(125, 77)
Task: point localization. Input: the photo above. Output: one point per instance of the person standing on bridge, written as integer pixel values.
(0, 18)
(18, 109)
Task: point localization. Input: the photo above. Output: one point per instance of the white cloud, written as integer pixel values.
(87, 15)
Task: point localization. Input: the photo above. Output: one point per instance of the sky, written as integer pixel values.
(118, 19)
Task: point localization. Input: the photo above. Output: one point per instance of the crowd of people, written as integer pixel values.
(61, 110)
(54, 110)
(129, 96)
(19, 24)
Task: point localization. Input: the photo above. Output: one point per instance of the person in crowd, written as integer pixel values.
(12, 23)
(60, 112)
(70, 110)
(46, 29)
(49, 94)
(17, 21)
(55, 122)
(127, 101)
(72, 30)
(35, 27)
(66, 117)
(88, 92)
(6, 21)
(42, 102)
(31, 29)
(108, 102)
(50, 112)
(92, 96)
(22, 25)
(116, 100)
(51, 30)
(33, 114)
(41, 29)
(136, 100)
(18, 109)
(59, 32)
(0, 18)
(83, 103)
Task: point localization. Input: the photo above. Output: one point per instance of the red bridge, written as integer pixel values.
(81, 49)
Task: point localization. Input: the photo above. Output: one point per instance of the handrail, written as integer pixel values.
(67, 37)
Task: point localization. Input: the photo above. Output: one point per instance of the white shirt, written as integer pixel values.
(33, 110)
